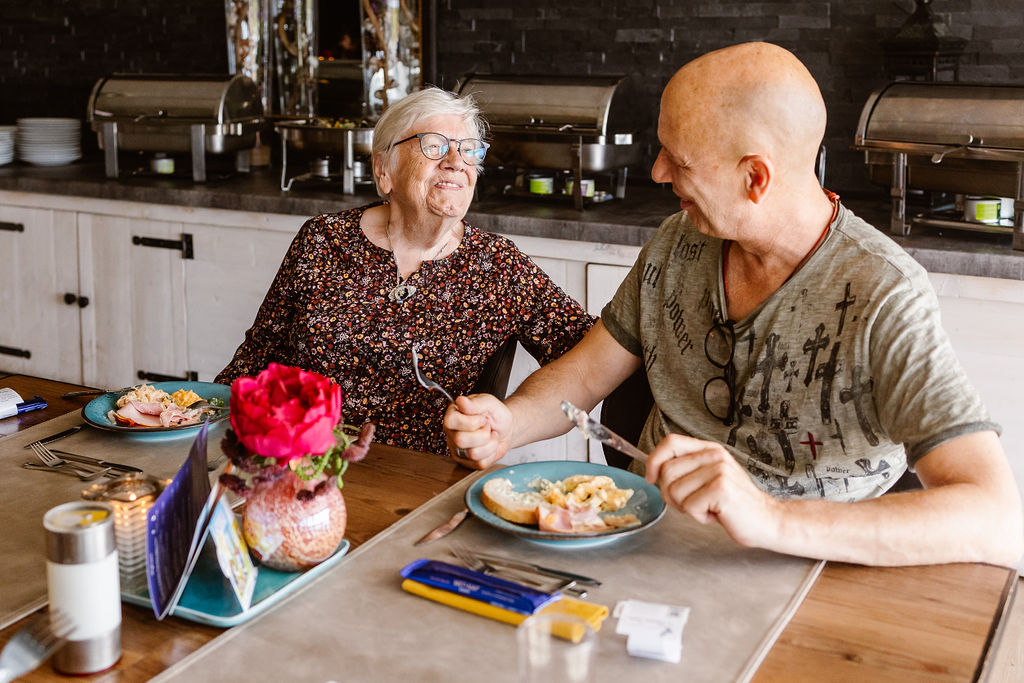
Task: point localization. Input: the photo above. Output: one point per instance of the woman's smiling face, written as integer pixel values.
(443, 186)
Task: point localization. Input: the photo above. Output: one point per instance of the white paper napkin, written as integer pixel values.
(9, 400)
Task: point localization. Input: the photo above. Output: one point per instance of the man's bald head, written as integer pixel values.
(752, 98)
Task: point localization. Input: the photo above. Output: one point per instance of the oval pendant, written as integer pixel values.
(402, 293)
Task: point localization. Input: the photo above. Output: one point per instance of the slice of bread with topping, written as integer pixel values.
(501, 498)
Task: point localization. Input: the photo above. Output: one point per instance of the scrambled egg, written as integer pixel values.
(147, 393)
(599, 492)
(185, 397)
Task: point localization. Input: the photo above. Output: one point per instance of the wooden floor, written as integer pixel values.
(1008, 666)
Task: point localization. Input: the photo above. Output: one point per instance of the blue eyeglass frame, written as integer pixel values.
(480, 152)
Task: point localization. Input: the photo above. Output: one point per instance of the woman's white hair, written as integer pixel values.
(406, 112)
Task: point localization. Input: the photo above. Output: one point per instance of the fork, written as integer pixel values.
(431, 385)
(47, 457)
(33, 644)
(471, 561)
(203, 403)
(62, 470)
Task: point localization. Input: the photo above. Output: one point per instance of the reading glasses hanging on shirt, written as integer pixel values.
(720, 391)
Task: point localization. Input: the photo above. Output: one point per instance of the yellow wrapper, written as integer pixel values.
(592, 613)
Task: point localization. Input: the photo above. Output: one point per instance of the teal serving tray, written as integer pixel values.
(209, 599)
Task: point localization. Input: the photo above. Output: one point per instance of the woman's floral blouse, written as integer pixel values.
(328, 311)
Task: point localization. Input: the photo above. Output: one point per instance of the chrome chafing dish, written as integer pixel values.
(168, 113)
(948, 137)
(558, 123)
(321, 139)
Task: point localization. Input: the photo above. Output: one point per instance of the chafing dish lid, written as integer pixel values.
(944, 113)
(211, 98)
(557, 103)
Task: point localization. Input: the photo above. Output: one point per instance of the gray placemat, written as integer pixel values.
(355, 623)
(28, 494)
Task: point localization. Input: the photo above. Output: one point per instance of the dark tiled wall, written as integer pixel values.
(647, 40)
(52, 51)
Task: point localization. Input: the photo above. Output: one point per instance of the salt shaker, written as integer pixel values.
(82, 580)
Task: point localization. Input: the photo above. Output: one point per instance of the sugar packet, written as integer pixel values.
(652, 630)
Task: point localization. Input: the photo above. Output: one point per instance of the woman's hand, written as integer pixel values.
(481, 425)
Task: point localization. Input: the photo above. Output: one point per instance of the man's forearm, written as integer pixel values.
(970, 511)
(955, 523)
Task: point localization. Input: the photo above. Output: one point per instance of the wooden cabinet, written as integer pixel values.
(39, 330)
(134, 327)
(984, 318)
(225, 282)
(112, 293)
(590, 273)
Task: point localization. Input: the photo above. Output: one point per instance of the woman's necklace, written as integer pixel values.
(403, 291)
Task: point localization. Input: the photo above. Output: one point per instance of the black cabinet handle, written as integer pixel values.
(18, 353)
(184, 245)
(13, 227)
(190, 376)
(70, 299)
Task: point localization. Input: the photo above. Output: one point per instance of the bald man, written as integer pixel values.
(794, 352)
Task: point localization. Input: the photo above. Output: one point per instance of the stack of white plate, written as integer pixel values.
(7, 144)
(49, 141)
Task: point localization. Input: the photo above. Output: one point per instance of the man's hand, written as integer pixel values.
(481, 425)
(703, 480)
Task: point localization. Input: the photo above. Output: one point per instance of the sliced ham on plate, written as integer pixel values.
(151, 408)
(571, 519)
(129, 414)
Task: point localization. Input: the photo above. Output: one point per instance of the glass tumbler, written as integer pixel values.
(555, 647)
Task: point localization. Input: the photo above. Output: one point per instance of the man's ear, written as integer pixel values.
(757, 174)
(380, 169)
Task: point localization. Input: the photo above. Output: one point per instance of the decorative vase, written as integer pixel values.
(289, 527)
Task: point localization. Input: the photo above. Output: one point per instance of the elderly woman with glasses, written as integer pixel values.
(359, 288)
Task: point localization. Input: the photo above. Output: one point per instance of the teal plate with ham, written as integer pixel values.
(95, 411)
(646, 502)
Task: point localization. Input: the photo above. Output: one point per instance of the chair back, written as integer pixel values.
(494, 378)
(625, 411)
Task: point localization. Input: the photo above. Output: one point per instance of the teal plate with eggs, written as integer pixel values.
(646, 502)
(95, 412)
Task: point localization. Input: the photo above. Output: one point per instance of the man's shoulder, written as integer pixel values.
(868, 247)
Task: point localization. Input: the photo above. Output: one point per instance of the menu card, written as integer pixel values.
(177, 527)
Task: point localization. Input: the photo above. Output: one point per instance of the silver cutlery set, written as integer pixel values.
(539, 577)
(82, 467)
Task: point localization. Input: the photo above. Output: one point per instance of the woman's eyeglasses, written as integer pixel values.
(435, 146)
(720, 391)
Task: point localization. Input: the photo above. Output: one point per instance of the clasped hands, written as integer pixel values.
(699, 478)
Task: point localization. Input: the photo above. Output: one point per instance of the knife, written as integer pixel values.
(501, 561)
(94, 392)
(592, 429)
(58, 435)
(445, 528)
(75, 457)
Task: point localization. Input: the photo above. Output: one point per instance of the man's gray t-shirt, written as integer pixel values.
(837, 371)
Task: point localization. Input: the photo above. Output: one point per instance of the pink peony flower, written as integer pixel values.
(285, 412)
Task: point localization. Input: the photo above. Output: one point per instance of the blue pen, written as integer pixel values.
(34, 403)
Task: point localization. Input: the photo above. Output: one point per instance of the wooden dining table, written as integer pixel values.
(856, 623)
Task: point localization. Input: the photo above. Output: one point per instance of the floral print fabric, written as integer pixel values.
(328, 311)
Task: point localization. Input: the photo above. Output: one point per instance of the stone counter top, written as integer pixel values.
(631, 221)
